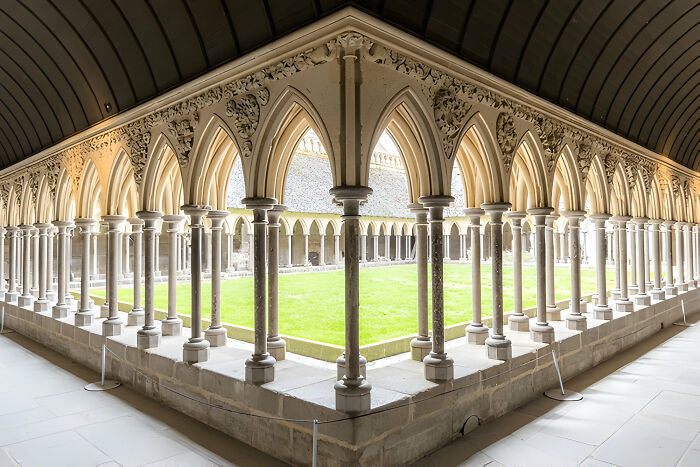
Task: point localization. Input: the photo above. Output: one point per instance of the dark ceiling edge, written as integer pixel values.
(351, 10)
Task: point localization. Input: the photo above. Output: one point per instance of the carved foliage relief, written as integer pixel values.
(507, 138)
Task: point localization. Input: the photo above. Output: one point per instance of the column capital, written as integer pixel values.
(599, 217)
(173, 219)
(655, 221)
(420, 212)
(196, 212)
(436, 201)
(516, 215)
(273, 215)
(113, 221)
(574, 214)
(621, 219)
(41, 225)
(474, 215)
(11, 228)
(493, 208)
(541, 215)
(640, 220)
(27, 228)
(357, 193)
(85, 224)
(669, 224)
(217, 217)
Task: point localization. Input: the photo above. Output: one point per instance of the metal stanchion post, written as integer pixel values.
(314, 453)
(684, 323)
(103, 385)
(561, 394)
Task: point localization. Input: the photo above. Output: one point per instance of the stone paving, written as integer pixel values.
(642, 408)
(48, 419)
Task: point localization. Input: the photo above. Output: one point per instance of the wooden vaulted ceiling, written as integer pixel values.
(628, 65)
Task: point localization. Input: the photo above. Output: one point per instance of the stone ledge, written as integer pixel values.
(423, 415)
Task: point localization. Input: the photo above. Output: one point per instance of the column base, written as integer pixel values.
(648, 286)
(112, 327)
(11, 297)
(83, 318)
(340, 367)
(420, 348)
(196, 351)
(520, 323)
(60, 311)
(277, 348)
(632, 290)
(615, 294)
(682, 287)
(690, 285)
(671, 291)
(25, 301)
(576, 322)
(34, 291)
(171, 327)
(657, 294)
(136, 317)
(260, 369)
(216, 336)
(70, 300)
(543, 333)
(498, 349)
(147, 338)
(438, 367)
(51, 296)
(104, 311)
(353, 397)
(583, 306)
(603, 312)
(41, 306)
(477, 334)
(642, 299)
(553, 313)
(624, 305)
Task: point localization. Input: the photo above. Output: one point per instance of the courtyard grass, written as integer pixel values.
(311, 305)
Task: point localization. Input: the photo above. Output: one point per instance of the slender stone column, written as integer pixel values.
(156, 255)
(680, 258)
(352, 391)
(26, 299)
(497, 346)
(647, 258)
(306, 250)
(104, 309)
(172, 324)
(216, 333)
(657, 292)
(553, 311)
(336, 240)
(670, 289)
(642, 298)
(542, 331)
(437, 365)
(556, 242)
(421, 344)
(276, 346)
(60, 310)
(688, 249)
(11, 296)
(476, 332)
(93, 238)
(375, 238)
(136, 316)
(696, 250)
(575, 319)
(2, 264)
(84, 316)
(635, 260)
(250, 251)
(260, 367)
(196, 349)
(623, 303)
(322, 253)
(125, 253)
(51, 295)
(519, 321)
(363, 248)
(41, 304)
(602, 310)
(35, 261)
(114, 324)
(149, 335)
(615, 258)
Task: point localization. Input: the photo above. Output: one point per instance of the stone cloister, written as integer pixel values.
(142, 198)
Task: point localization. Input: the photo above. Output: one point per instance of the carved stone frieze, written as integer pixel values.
(52, 168)
(507, 138)
(612, 160)
(74, 161)
(183, 132)
(450, 114)
(4, 195)
(137, 140)
(245, 112)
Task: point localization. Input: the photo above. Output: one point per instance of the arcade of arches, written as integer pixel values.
(195, 187)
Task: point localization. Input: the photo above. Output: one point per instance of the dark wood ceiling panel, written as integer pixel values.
(632, 66)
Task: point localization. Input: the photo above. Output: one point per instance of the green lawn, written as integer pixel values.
(311, 305)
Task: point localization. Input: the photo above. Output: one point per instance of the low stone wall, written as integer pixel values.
(399, 432)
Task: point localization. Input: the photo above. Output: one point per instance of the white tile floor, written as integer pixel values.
(48, 419)
(641, 408)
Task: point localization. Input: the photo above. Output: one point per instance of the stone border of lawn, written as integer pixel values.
(330, 352)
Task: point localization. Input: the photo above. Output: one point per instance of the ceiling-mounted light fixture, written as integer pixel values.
(108, 107)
